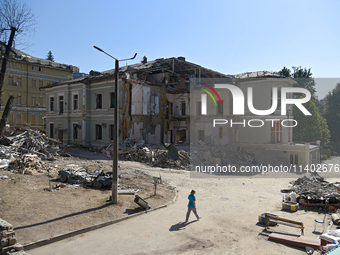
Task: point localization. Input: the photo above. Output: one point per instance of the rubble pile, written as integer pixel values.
(316, 189)
(141, 152)
(8, 240)
(34, 142)
(222, 155)
(24, 152)
(27, 164)
(158, 158)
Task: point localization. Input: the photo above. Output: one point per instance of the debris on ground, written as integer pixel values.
(141, 202)
(81, 175)
(222, 155)
(314, 189)
(139, 151)
(24, 152)
(8, 244)
(171, 157)
(293, 240)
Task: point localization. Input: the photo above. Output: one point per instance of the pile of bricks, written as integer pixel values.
(8, 241)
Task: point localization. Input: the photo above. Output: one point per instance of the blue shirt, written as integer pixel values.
(191, 198)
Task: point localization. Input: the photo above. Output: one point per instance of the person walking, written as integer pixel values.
(192, 206)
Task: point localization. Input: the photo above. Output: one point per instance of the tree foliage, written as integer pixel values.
(333, 113)
(310, 128)
(302, 76)
(49, 56)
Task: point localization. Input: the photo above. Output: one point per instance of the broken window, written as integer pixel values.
(51, 130)
(199, 108)
(154, 104)
(152, 129)
(112, 100)
(183, 108)
(99, 101)
(51, 104)
(112, 132)
(294, 159)
(75, 131)
(98, 132)
(276, 132)
(75, 102)
(61, 104)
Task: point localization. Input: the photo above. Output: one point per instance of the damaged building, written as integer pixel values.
(160, 101)
(153, 103)
(268, 137)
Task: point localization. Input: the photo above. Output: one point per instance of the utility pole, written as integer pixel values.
(116, 129)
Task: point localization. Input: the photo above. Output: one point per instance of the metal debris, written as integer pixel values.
(315, 189)
(23, 153)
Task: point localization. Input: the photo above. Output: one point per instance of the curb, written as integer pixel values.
(94, 227)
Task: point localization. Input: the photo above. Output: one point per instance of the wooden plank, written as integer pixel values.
(298, 241)
(276, 219)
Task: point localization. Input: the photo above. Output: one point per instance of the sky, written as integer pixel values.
(231, 37)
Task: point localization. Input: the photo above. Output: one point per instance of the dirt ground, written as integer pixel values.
(37, 213)
(229, 208)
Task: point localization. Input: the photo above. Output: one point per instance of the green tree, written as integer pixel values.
(49, 56)
(310, 128)
(333, 113)
(302, 76)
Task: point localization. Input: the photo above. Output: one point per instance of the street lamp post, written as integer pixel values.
(116, 128)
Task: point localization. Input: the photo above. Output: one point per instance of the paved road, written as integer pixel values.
(229, 208)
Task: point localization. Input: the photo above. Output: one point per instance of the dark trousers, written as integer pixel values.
(189, 211)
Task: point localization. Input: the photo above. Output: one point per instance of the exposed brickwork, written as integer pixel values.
(8, 240)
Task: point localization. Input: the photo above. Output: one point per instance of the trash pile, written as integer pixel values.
(315, 189)
(9, 244)
(222, 155)
(172, 158)
(140, 152)
(24, 152)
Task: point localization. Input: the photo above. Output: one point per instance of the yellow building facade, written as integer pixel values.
(24, 77)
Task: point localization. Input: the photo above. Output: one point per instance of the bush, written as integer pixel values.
(42, 130)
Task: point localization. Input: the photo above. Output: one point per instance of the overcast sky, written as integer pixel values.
(227, 36)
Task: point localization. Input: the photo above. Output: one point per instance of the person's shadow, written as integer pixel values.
(180, 225)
